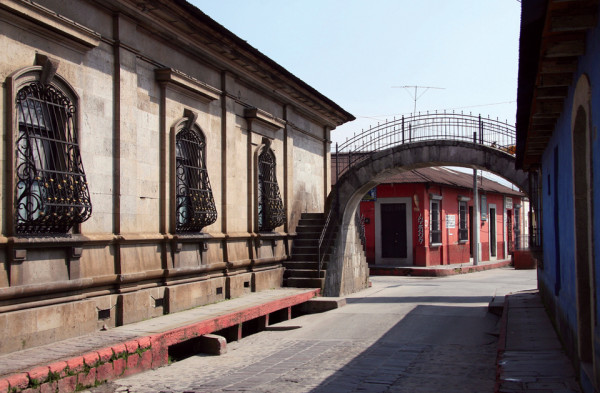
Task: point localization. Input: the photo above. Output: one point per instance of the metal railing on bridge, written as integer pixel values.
(415, 128)
(423, 127)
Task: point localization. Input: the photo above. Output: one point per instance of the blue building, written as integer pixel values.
(557, 142)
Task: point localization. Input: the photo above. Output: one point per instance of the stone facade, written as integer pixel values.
(137, 74)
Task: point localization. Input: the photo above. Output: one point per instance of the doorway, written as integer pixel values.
(393, 233)
(493, 236)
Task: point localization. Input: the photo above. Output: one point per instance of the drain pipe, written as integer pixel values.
(475, 223)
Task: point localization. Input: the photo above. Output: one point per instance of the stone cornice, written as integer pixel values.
(188, 83)
(49, 23)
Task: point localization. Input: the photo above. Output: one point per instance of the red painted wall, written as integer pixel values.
(451, 251)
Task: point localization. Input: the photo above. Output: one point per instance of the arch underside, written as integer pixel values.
(375, 168)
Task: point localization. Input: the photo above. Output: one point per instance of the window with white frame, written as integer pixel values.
(463, 227)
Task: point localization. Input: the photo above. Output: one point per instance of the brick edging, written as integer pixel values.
(131, 357)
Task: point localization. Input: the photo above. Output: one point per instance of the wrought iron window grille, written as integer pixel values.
(51, 188)
(271, 213)
(194, 198)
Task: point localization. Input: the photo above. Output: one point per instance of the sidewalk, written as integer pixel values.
(86, 361)
(436, 270)
(530, 355)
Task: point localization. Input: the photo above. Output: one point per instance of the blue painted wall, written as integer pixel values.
(557, 278)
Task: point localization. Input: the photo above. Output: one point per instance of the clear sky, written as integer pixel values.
(355, 51)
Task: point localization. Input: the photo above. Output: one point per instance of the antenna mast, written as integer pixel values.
(415, 96)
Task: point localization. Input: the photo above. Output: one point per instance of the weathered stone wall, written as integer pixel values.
(135, 71)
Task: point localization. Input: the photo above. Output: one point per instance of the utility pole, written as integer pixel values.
(416, 96)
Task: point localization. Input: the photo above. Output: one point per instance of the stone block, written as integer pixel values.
(119, 349)
(49, 387)
(75, 365)
(132, 366)
(268, 279)
(105, 354)
(144, 342)
(211, 344)
(185, 296)
(145, 361)
(38, 374)
(87, 379)
(131, 346)
(4, 386)
(322, 304)
(239, 285)
(105, 372)
(67, 384)
(59, 367)
(91, 359)
(119, 366)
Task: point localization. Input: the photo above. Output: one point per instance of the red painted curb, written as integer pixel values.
(433, 272)
(134, 356)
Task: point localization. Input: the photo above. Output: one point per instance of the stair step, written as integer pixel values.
(302, 282)
(302, 229)
(304, 273)
(315, 222)
(306, 243)
(303, 265)
(310, 216)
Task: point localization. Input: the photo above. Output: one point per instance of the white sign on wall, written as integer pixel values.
(508, 203)
(450, 221)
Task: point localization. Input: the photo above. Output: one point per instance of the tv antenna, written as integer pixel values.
(416, 96)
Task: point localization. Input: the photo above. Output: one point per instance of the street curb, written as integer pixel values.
(434, 272)
(134, 356)
(501, 343)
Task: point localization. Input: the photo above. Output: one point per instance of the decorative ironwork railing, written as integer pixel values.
(415, 128)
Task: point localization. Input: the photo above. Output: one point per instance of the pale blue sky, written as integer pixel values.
(354, 51)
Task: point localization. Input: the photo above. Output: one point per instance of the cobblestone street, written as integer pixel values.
(402, 335)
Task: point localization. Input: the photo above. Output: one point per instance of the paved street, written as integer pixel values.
(404, 334)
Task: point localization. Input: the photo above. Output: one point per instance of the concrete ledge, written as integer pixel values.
(140, 354)
(435, 271)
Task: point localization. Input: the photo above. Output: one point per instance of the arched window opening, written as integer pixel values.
(270, 206)
(195, 203)
(51, 189)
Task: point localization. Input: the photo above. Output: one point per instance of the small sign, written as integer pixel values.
(483, 208)
(450, 221)
(508, 203)
(370, 196)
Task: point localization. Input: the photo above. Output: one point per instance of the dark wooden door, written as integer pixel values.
(393, 230)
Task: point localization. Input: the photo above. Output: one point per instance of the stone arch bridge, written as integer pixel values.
(367, 159)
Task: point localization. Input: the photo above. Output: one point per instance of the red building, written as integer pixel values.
(423, 217)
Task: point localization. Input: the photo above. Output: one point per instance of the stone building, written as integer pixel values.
(153, 162)
(558, 112)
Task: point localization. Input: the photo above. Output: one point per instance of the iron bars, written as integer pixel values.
(271, 213)
(195, 203)
(51, 190)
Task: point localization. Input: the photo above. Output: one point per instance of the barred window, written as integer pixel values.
(435, 228)
(270, 206)
(195, 203)
(463, 229)
(51, 189)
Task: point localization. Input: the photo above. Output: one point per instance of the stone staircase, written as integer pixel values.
(302, 271)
